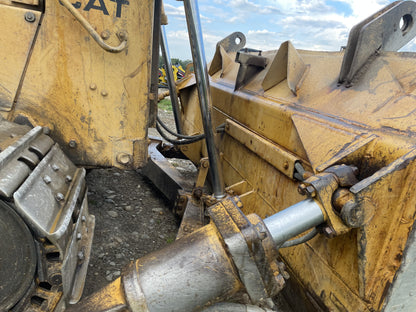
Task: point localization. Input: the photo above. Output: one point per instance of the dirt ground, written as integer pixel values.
(132, 218)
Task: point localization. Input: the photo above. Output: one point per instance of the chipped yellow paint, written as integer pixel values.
(96, 99)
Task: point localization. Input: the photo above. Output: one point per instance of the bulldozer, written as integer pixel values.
(306, 162)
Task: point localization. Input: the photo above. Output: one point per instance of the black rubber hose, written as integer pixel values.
(300, 240)
(181, 136)
(177, 142)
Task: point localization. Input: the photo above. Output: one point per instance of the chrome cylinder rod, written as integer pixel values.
(170, 79)
(202, 83)
(294, 220)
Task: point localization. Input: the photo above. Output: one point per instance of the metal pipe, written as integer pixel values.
(170, 78)
(294, 220)
(202, 83)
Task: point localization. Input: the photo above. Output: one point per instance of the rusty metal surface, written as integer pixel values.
(164, 175)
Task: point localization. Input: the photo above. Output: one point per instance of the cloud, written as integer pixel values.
(171, 10)
(309, 24)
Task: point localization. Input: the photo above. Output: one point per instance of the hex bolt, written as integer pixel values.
(30, 17)
(59, 197)
(47, 179)
(72, 144)
(79, 236)
(55, 167)
(68, 178)
(83, 219)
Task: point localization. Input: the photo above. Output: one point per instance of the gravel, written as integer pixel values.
(132, 219)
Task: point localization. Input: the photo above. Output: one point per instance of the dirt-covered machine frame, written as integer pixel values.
(306, 181)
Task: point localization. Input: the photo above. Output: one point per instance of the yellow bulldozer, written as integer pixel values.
(306, 162)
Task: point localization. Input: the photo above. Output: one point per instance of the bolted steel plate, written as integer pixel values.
(17, 257)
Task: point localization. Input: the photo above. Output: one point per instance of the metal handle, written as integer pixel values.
(81, 19)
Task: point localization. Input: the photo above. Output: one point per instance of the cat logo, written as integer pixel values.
(100, 5)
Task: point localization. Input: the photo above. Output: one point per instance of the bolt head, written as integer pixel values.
(59, 197)
(47, 179)
(105, 34)
(68, 178)
(30, 17)
(72, 144)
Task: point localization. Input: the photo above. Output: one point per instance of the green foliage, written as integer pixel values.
(174, 61)
(165, 104)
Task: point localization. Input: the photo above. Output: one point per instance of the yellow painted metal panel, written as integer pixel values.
(17, 36)
(95, 102)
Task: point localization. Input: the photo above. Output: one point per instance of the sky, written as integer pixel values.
(309, 24)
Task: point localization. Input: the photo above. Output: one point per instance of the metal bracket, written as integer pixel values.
(387, 30)
(232, 43)
(251, 63)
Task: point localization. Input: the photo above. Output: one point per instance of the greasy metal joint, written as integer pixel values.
(324, 187)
